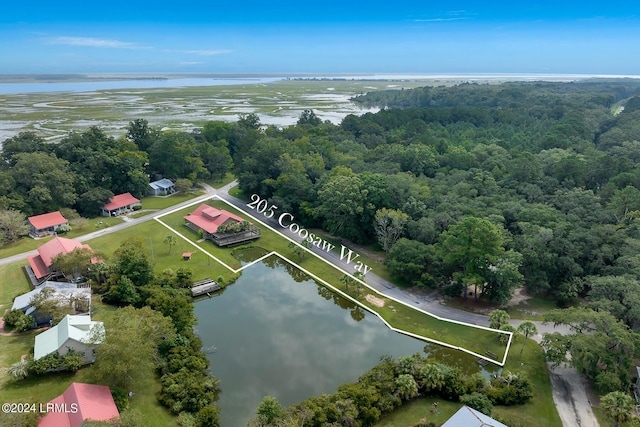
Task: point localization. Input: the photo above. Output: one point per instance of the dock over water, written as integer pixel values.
(204, 287)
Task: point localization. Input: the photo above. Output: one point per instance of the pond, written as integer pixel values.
(276, 332)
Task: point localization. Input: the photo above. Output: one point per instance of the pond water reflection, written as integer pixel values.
(277, 332)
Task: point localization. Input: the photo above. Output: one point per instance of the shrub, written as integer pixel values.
(19, 321)
(477, 401)
(63, 229)
(72, 361)
(121, 398)
(209, 416)
(509, 389)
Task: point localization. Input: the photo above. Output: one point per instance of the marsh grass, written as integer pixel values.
(54, 116)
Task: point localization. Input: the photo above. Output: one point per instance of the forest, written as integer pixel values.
(471, 189)
(479, 189)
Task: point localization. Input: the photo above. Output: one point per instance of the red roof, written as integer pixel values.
(58, 245)
(47, 220)
(120, 201)
(37, 265)
(82, 402)
(209, 219)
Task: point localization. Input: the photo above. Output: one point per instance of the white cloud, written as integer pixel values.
(191, 63)
(208, 52)
(438, 19)
(92, 42)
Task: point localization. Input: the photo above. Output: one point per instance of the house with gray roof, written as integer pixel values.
(469, 417)
(73, 295)
(162, 187)
(78, 333)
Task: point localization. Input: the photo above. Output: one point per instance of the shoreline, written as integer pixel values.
(27, 78)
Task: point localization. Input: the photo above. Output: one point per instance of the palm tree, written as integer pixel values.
(360, 276)
(527, 329)
(19, 370)
(346, 279)
(433, 377)
(618, 405)
(170, 240)
(498, 318)
(406, 387)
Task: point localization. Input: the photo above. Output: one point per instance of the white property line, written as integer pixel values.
(333, 288)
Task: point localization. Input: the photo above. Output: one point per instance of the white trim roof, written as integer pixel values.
(60, 289)
(469, 417)
(163, 183)
(78, 328)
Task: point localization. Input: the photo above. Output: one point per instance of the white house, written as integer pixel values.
(78, 333)
(162, 187)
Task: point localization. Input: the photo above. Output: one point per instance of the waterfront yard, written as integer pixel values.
(396, 314)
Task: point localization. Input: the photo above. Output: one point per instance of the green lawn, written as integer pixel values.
(219, 183)
(151, 235)
(237, 193)
(26, 244)
(411, 413)
(376, 262)
(13, 282)
(162, 202)
(541, 410)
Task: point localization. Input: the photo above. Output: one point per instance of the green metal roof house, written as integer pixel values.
(77, 333)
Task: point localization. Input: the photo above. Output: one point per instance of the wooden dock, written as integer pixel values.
(204, 287)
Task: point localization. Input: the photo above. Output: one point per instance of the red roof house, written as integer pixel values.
(80, 402)
(209, 219)
(120, 204)
(41, 263)
(42, 225)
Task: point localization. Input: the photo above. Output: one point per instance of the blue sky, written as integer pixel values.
(251, 36)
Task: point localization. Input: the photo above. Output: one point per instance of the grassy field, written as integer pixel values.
(163, 202)
(13, 282)
(219, 183)
(410, 414)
